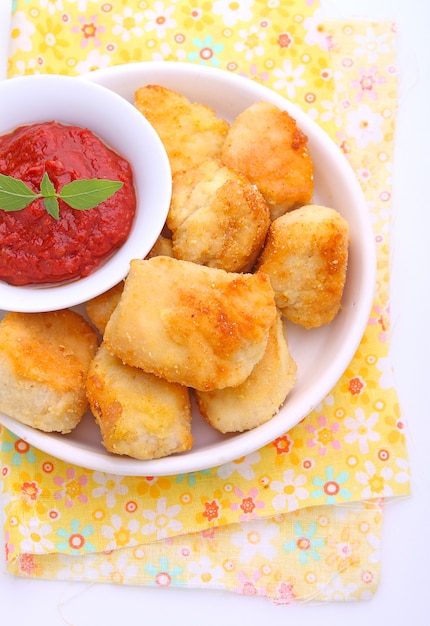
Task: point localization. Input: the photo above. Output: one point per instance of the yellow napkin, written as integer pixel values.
(302, 517)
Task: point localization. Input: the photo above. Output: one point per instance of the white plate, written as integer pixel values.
(322, 354)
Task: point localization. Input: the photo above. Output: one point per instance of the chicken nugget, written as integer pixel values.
(139, 415)
(259, 398)
(100, 308)
(198, 326)
(266, 144)
(162, 247)
(190, 132)
(306, 257)
(217, 217)
(44, 359)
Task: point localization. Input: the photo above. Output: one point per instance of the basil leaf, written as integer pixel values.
(79, 194)
(87, 194)
(47, 189)
(51, 206)
(14, 194)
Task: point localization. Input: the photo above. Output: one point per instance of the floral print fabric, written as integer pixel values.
(301, 518)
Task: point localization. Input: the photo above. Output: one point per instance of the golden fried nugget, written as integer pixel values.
(198, 326)
(306, 257)
(217, 217)
(259, 398)
(139, 415)
(162, 247)
(44, 359)
(267, 146)
(190, 132)
(100, 308)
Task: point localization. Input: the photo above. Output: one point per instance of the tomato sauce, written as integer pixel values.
(34, 247)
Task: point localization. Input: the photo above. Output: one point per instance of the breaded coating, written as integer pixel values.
(306, 257)
(44, 359)
(139, 415)
(217, 217)
(162, 247)
(198, 326)
(100, 308)
(267, 146)
(190, 132)
(259, 398)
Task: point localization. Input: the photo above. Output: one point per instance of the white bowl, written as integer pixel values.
(322, 354)
(44, 98)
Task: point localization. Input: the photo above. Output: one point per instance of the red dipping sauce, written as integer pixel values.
(34, 247)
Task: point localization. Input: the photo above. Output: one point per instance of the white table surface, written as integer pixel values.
(404, 593)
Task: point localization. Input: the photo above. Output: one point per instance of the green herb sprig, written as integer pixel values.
(81, 195)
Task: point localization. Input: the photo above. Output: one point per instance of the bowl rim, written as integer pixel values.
(227, 450)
